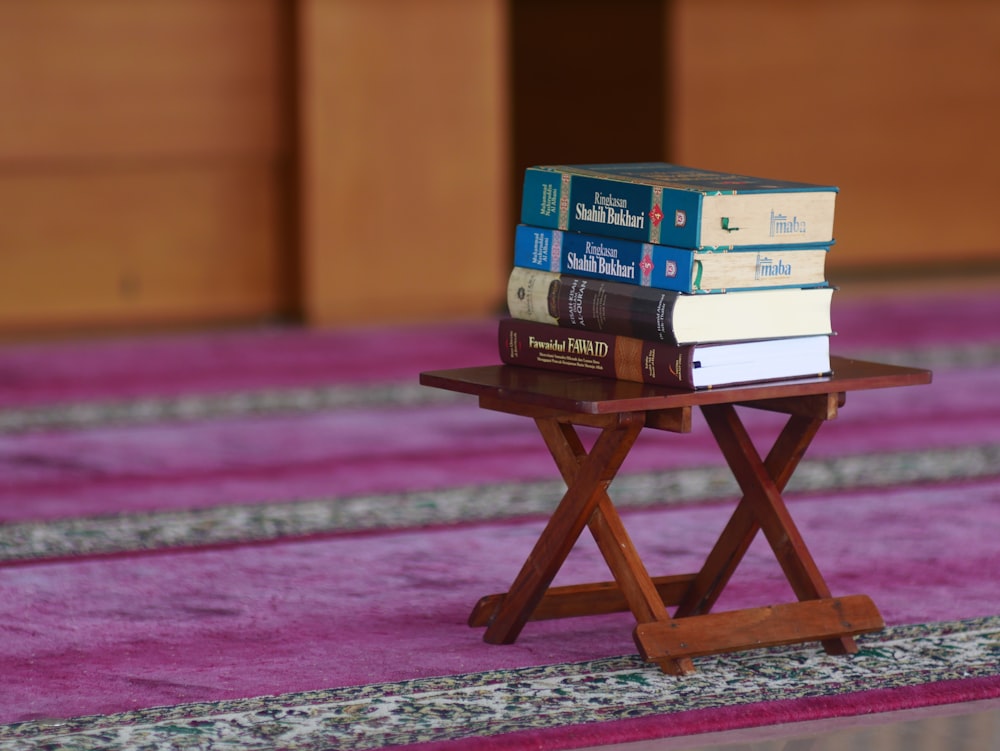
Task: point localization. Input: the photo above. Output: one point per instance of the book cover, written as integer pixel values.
(665, 315)
(692, 366)
(669, 204)
(666, 267)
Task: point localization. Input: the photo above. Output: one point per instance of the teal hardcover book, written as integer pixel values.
(669, 204)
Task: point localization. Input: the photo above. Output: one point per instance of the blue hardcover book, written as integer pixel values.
(667, 267)
(667, 204)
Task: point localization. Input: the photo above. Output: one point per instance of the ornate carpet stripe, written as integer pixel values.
(937, 358)
(306, 399)
(208, 406)
(272, 521)
(494, 703)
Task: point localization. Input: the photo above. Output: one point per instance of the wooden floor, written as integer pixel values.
(970, 727)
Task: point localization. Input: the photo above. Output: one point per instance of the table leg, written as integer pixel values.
(742, 528)
(587, 485)
(606, 526)
(640, 593)
(762, 505)
(693, 631)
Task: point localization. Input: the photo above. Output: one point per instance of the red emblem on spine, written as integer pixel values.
(656, 215)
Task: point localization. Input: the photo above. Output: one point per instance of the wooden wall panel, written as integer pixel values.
(403, 159)
(138, 248)
(895, 101)
(100, 79)
(145, 155)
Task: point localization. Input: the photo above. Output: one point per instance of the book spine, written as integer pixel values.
(592, 304)
(610, 258)
(665, 267)
(540, 345)
(614, 208)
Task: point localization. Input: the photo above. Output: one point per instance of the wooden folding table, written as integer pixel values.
(560, 402)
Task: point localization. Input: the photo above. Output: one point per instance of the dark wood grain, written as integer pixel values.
(559, 402)
(595, 395)
(753, 628)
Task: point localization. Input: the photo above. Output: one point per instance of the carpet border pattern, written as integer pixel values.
(247, 523)
(300, 399)
(489, 704)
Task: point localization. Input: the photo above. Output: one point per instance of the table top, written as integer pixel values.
(595, 395)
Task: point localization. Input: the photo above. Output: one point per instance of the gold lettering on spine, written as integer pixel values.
(512, 345)
(564, 189)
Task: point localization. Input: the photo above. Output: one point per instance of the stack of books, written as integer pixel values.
(664, 274)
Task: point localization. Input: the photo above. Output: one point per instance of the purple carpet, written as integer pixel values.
(204, 518)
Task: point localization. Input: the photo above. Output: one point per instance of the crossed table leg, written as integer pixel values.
(693, 630)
